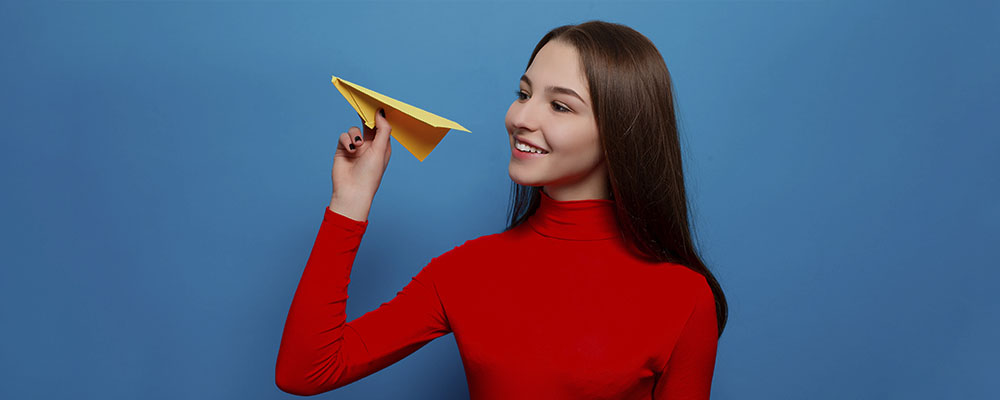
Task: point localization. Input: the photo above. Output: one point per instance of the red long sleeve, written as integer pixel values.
(554, 308)
(689, 370)
(319, 351)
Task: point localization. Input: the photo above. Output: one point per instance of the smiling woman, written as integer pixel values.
(605, 296)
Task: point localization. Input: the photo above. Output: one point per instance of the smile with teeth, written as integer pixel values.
(528, 149)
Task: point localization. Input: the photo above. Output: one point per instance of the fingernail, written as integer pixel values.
(357, 138)
(381, 111)
(352, 146)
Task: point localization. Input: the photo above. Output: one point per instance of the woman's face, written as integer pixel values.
(553, 113)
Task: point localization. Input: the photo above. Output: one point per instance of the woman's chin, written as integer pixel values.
(523, 181)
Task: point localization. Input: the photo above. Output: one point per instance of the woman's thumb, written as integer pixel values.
(382, 128)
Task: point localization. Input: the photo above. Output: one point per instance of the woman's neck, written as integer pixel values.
(592, 186)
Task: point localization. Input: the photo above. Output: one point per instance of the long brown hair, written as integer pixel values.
(632, 95)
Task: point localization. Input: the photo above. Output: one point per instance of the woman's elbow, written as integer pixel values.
(292, 384)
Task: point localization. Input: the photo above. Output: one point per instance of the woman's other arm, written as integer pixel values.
(688, 373)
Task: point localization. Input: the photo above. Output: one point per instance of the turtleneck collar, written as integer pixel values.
(591, 219)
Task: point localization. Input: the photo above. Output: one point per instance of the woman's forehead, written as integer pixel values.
(558, 64)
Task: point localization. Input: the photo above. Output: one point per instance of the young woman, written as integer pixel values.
(594, 290)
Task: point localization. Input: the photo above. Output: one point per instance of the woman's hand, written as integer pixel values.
(358, 166)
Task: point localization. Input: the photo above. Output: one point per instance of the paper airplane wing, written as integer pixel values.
(417, 130)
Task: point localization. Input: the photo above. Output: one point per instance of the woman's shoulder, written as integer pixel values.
(681, 281)
(477, 246)
(478, 253)
(463, 261)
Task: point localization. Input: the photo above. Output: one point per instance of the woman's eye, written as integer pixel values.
(558, 107)
(521, 95)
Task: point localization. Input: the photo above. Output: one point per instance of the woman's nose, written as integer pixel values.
(523, 115)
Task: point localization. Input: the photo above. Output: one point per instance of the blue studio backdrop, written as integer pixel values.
(166, 165)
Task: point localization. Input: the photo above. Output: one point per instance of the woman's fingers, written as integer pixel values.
(369, 136)
(345, 142)
(355, 137)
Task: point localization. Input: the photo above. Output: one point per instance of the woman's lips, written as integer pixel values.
(517, 139)
(524, 155)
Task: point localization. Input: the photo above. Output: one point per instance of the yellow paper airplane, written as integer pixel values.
(417, 130)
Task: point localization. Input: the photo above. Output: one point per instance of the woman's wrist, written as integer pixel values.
(355, 208)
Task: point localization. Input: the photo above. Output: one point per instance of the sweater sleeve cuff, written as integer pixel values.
(342, 221)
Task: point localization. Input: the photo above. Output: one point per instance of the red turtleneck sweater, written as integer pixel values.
(556, 308)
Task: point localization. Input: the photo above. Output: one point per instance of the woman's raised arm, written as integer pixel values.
(319, 350)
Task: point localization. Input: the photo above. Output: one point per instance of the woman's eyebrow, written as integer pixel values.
(556, 89)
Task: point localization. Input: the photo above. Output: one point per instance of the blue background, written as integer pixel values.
(166, 165)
